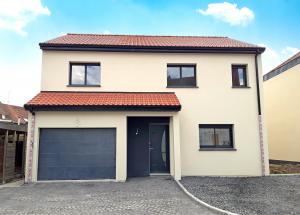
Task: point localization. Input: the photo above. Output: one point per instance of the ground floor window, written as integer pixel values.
(216, 136)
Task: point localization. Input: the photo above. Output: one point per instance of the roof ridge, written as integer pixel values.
(12, 105)
(144, 35)
(138, 92)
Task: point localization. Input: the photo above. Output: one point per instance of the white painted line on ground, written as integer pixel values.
(202, 202)
(17, 183)
(292, 174)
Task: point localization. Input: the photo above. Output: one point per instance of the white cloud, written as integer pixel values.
(272, 58)
(16, 14)
(106, 32)
(20, 82)
(290, 50)
(229, 13)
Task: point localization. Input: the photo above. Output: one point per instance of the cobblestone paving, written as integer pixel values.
(270, 195)
(153, 195)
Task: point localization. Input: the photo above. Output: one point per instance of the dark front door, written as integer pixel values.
(147, 146)
(137, 147)
(159, 148)
(79, 153)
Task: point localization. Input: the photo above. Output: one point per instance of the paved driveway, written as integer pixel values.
(269, 195)
(153, 195)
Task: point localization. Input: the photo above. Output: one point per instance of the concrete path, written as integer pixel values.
(152, 195)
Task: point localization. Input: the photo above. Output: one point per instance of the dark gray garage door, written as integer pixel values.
(68, 154)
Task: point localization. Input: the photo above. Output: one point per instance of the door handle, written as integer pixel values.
(151, 148)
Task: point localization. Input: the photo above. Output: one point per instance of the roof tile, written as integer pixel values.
(13, 113)
(148, 41)
(104, 99)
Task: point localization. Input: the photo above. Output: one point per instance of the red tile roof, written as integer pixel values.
(104, 99)
(104, 40)
(13, 113)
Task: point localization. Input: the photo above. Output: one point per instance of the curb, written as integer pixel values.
(202, 202)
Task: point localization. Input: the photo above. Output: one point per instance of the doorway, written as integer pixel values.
(147, 146)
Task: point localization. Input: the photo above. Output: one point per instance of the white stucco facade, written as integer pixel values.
(213, 101)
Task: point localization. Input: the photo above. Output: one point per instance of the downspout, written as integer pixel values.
(30, 142)
(260, 123)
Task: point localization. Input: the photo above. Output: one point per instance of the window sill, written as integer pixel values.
(240, 87)
(74, 85)
(217, 149)
(182, 87)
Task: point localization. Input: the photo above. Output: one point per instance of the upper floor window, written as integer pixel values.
(84, 74)
(239, 76)
(216, 136)
(181, 75)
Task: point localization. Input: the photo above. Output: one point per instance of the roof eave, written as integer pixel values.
(33, 108)
(165, 49)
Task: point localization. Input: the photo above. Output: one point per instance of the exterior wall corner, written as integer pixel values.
(177, 151)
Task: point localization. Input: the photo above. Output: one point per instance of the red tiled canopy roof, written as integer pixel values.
(104, 100)
(137, 41)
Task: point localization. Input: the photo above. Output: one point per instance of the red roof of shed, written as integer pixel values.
(13, 113)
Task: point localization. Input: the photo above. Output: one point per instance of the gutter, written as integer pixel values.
(161, 108)
(257, 86)
(151, 49)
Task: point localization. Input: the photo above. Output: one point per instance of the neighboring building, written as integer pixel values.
(118, 106)
(13, 130)
(282, 102)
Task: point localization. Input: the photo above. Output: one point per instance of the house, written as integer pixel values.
(119, 106)
(282, 102)
(13, 131)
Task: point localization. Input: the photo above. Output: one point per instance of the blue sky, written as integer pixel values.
(25, 23)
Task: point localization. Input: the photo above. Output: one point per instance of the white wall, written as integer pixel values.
(282, 99)
(213, 102)
(97, 119)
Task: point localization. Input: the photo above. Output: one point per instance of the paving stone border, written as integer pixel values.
(219, 210)
(268, 195)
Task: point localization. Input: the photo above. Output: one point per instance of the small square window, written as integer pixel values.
(239, 76)
(216, 136)
(84, 74)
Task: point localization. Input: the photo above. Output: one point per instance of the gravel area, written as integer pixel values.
(249, 195)
(285, 168)
(151, 195)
